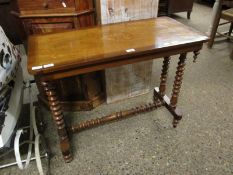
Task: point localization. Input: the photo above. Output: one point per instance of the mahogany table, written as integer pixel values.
(66, 54)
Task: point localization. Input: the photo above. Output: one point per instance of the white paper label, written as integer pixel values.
(130, 50)
(37, 67)
(64, 4)
(48, 65)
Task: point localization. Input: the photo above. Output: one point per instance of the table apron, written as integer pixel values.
(114, 63)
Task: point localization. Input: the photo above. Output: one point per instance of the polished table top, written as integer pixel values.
(65, 50)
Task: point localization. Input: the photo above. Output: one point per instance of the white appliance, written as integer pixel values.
(11, 101)
(13, 111)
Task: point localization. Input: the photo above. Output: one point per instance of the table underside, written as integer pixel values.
(159, 99)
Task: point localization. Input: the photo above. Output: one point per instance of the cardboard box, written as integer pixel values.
(135, 79)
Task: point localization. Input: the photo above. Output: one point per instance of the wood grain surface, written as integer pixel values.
(67, 50)
(26, 7)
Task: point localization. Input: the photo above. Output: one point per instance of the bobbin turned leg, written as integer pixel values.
(163, 78)
(159, 92)
(57, 115)
(177, 86)
(158, 95)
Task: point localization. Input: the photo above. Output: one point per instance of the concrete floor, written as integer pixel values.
(202, 144)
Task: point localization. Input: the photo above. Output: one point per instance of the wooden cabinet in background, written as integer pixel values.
(176, 6)
(163, 8)
(82, 92)
(168, 7)
(47, 25)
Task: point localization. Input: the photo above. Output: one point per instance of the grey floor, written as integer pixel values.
(148, 144)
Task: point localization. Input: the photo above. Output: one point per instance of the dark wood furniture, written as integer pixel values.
(168, 7)
(163, 8)
(82, 92)
(108, 46)
(43, 16)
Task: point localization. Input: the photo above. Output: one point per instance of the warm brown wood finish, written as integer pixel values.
(45, 7)
(115, 116)
(178, 80)
(41, 25)
(164, 74)
(57, 114)
(75, 52)
(39, 18)
(42, 16)
(97, 45)
(177, 85)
